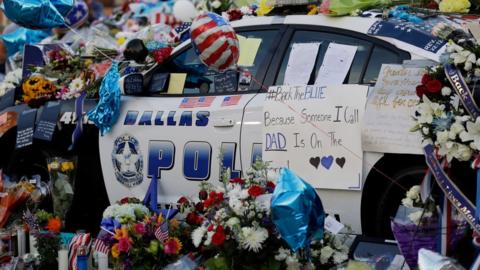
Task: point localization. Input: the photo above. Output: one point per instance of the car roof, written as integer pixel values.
(356, 24)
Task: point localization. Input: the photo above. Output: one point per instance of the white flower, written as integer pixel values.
(455, 129)
(407, 202)
(415, 216)
(197, 235)
(325, 254)
(446, 91)
(216, 4)
(477, 72)
(76, 85)
(428, 109)
(471, 58)
(472, 133)
(339, 257)
(414, 193)
(442, 137)
(464, 153)
(252, 238)
(282, 254)
(209, 238)
(231, 222)
(246, 10)
(468, 66)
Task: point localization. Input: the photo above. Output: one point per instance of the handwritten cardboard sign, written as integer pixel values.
(315, 131)
(390, 107)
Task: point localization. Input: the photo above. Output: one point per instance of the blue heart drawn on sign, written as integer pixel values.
(327, 162)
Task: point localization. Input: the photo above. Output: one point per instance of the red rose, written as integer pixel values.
(426, 78)
(255, 191)
(210, 228)
(203, 195)
(237, 180)
(421, 89)
(124, 200)
(208, 202)
(199, 207)
(219, 197)
(218, 237)
(434, 86)
(234, 14)
(182, 200)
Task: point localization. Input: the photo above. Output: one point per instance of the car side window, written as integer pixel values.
(255, 47)
(303, 36)
(380, 55)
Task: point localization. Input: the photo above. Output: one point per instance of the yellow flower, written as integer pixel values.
(115, 251)
(67, 166)
(264, 7)
(312, 10)
(461, 6)
(121, 41)
(174, 224)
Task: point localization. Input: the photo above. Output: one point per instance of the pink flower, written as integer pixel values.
(325, 7)
(124, 244)
(139, 228)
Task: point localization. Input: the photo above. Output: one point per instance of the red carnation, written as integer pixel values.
(219, 197)
(234, 14)
(421, 89)
(218, 237)
(182, 200)
(434, 86)
(124, 200)
(237, 180)
(255, 191)
(210, 228)
(194, 219)
(426, 78)
(162, 54)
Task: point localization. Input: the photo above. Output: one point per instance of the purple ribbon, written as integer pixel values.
(79, 115)
(460, 86)
(451, 191)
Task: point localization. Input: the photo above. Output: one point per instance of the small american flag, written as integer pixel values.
(161, 233)
(230, 100)
(100, 246)
(180, 33)
(188, 103)
(204, 101)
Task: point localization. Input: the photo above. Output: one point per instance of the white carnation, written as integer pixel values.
(197, 235)
(446, 91)
(407, 202)
(325, 254)
(339, 257)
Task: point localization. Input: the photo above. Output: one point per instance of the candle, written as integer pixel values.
(33, 241)
(21, 240)
(102, 261)
(63, 259)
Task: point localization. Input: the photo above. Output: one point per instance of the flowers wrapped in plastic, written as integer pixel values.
(11, 197)
(417, 226)
(62, 182)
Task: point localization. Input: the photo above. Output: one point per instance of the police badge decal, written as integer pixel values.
(127, 161)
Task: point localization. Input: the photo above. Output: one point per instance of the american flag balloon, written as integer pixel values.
(215, 41)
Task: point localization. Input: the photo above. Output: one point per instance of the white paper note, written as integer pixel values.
(336, 64)
(332, 225)
(300, 63)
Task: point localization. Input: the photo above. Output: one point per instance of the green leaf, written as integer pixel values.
(217, 263)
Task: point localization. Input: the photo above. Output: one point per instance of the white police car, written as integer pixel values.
(189, 121)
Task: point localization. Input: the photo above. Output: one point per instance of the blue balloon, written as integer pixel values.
(297, 211)
(37, 14)
(16, 40)
(105, 114)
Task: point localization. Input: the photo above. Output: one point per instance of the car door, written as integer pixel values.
(189, 128)
(370, 55)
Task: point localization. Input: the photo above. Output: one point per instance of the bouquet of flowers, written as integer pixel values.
(46, 228)
(440, 116)
(139, 239)
(12, 197)
(62, 182)
(417, 226)
(231, 225)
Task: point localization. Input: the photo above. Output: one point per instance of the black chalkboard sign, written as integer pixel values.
(158, 83)
(48, 121)
(25, 125)
(226, 82)
(133, 84)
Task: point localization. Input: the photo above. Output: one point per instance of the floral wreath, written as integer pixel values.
(440, 116)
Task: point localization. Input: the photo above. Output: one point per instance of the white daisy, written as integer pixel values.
(76, 85)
